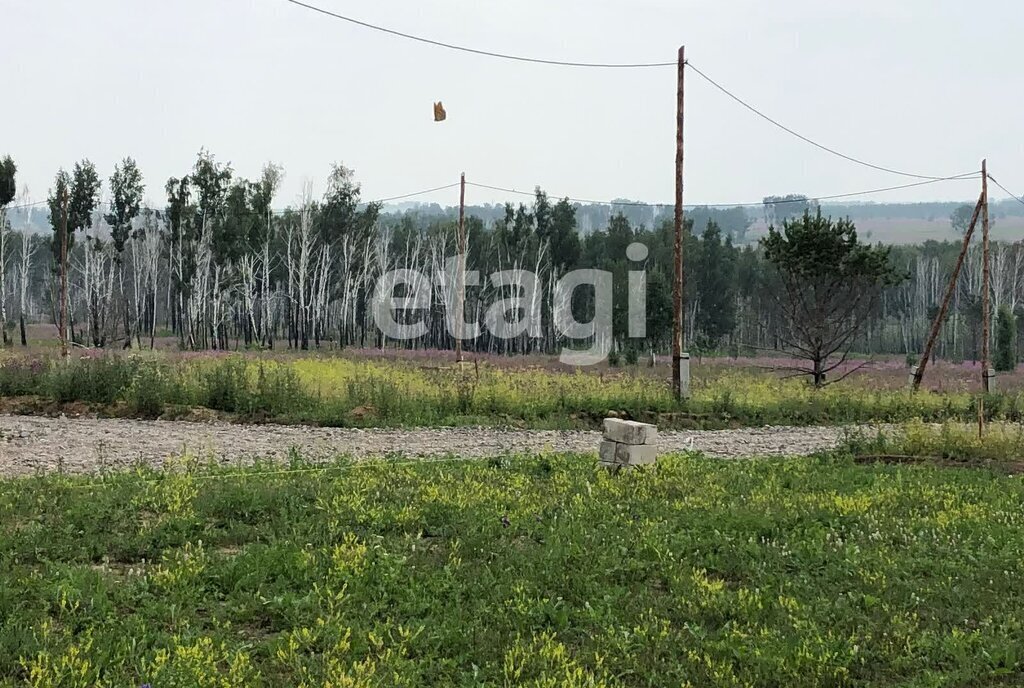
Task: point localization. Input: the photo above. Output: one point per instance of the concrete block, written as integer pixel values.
(607, 453)
(629, 431)
(636, 455)
(990, 380)
(617, 454)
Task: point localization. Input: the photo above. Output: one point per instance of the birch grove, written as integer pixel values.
(218, 263)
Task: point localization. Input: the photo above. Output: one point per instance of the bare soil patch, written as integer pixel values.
(31, 444)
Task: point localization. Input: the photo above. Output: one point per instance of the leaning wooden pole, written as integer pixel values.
(940, 317)
(679, 281)
(986, 281)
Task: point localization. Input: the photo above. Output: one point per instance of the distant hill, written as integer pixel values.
(889, 223)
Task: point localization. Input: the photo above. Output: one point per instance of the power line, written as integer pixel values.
(1012, 195)
(26, 205)
(814, 143)
(626, 204)
(574, 200)
(638, 204)
(417, 193)
(275, 212)
(520, 58)
(475, 51)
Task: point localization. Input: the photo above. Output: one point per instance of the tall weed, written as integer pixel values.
(101, 380)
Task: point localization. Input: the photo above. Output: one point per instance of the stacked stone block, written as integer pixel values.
(628, 443)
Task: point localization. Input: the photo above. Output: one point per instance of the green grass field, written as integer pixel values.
(528, 570)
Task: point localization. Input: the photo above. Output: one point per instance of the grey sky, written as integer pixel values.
(922, 85)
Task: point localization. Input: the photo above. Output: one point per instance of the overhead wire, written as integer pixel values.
(640, 204)
(1014, 196)
(633, 65)
(477, 51)
(631, 204)
(388, 199)
(520, 58)
(416, 193)
(26, 205)
(806, 139)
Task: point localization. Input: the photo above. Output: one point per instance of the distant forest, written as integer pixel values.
(219, 265)
(735, 222)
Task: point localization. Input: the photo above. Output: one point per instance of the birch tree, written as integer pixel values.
(29, 246)
(269, 185)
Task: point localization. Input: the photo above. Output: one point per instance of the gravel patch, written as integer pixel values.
(32, 444)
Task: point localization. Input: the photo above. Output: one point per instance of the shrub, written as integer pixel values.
(278, 391)
(225, 386)
(20, 377)
(101, 380)
(150, 391)
(951, 441)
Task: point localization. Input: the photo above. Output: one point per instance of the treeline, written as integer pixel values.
(216, 267)
(736, 222)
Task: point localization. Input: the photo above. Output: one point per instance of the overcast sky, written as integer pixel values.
(927, 86)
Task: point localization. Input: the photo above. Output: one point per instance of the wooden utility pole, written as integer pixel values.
(64, 274)
(460, 279)
(944, 308)
(985, 279)
(679, 282)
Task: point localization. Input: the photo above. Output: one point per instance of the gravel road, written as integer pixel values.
(30, 444)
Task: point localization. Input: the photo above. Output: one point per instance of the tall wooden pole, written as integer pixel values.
(64, 274)
(679, 282)
(985, 279)
(940, 317)
(460, 279)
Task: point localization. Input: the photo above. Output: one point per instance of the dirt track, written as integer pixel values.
(29, 444)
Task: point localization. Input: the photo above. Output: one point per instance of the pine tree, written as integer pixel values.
(1006, 344)
(715, 276)
(8, 188)
(830, 282)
